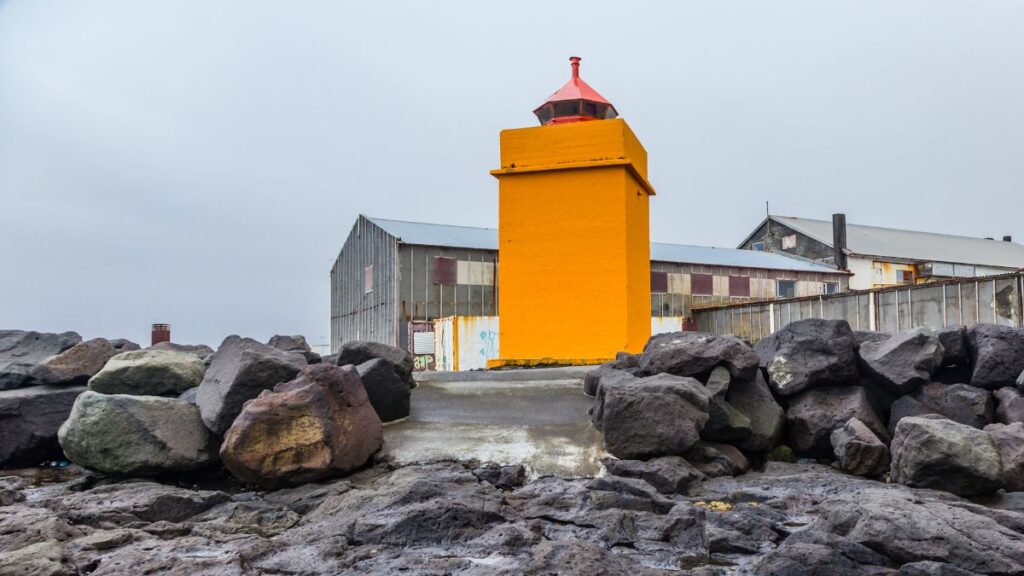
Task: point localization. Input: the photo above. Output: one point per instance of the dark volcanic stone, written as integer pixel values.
(767, 419)
(695, 354)
(717, 459)
(20, 351)
(858, 451)
(954, 346)
(388, 392)
(815, 413)
(29, 420)
(997, 353)
(296, 344)
(668, 474)
(1009, 442)
(902, 362)
(958, 402)
(938, 453)
(809, 353)
(1009, 405)
(504, 477)
(74, 365)
(606, 373)
(358, 351)
(654, 416)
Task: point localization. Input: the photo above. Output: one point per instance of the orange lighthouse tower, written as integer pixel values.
(573, 234)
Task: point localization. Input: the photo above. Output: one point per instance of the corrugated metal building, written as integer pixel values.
(392, 279)
(880, 257)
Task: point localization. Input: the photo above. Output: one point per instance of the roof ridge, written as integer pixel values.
(890, 228)
(422, 223)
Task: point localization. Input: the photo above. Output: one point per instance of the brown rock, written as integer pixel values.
(76, 364)
(317, 425)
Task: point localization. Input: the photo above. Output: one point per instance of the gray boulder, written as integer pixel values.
(388, 392)
(938, 453)
(814, 414)
(716, 459)
(997, 353)
(864, 336)
(1009, 405)
(725, 422)
(149, 373)
(358, 351)
(954, 346)
(20, 351)
(1020, 380)
(189, 396)
(858, 450)
(74, 365)
(660, 415)
(958, 402)
(668, 474)
(902, 362)
(604, 378)
(239, 370)
(695, 354)
(296, 344)
(767, 419)
(122, 434)
(1009, 442)
(29, 420)
(124, 345)
(592, 380)
(809, 353)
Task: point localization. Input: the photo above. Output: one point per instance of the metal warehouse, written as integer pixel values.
(392, 279)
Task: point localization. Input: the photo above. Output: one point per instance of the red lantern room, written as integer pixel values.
(575, 102)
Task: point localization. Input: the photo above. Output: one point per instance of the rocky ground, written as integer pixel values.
(457, 518)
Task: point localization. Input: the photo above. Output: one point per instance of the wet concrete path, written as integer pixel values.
(534, 417)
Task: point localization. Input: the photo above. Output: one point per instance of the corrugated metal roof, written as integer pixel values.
(918, 246)
(425, 234)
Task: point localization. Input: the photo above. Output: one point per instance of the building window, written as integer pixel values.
(789, 242)
(739, 286)
(787, 288)
(445, 271)
(659, 282)
(702, 284)
(830, 288)
(758, 246)
(368, 279)
(905, 276)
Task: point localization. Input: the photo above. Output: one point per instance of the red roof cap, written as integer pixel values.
(576, 89)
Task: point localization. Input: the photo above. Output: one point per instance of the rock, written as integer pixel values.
(358, 351)
(717, 459)
(655, 416)
(74, 365)
(504, 477)
(239, 370)
(625, 361)
(122, 434)
(132, 502)
(1009, 442)
(725, 423)
(695, 354)
(318, 425)
(954, 346)
(780, 453)
(668, 474)
(718, 382)
(389, 394)
(997, 353)
(20, 351)
(1020, 380)
(29, 420)
(938, 453)
(902, 362)
(958, 402)
(1009, 405)
(189, 396)
(929, 568)
(124, 345)
(149, 373)
(201, 350)
(858, 451)
(809, 353)
(863, 336)
(592, 380)
(767, 419)
(814, 414)
(296, 344)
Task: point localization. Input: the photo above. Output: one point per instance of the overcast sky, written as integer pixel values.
(200, 163)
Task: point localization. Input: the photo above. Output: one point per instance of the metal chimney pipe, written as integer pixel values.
(160, 333)
(1007, 238)
(839, 241)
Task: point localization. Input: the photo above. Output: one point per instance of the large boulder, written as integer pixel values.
(858, 450)
(767, 419)
(809, 353)
(20, 351)
(74, 365)
(389, 394)
(902, 362)
(1009, 405)
(605, 373)
(717, 459)
(356, 352)
(938, 453)
(814, 414)
(958, 402)
(318, 425)
(725, 423)
(1009, 442)
(201, 350)
(124, 345)
(149, 373)
(954, 346)
(136, 435)
(695, 354)
(239, 370)
(668, 474)
(296, 344)
(997, 353)
(29, 420)
(659, 415)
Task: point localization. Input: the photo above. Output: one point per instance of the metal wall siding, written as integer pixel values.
(355, 314)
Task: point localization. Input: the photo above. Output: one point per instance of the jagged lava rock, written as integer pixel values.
(695, 354)
(318, 425)
(296, 344)
(958, 402)
(1009, 405)
(997, 353)
(938, 453)
(717, 459)
(767, 419)
(20, 351)
(815, 413)
(29, 420)
(389, 394)
(239, 370)
(655, 416)
(809, 353)
(358, 351)
(954, 345)
(668, 474)
(123, 434)
(1009, 442)
(606, 373)
(858, 450)
(201, 350)
(74, 365)
(903, 361)
(149, 373)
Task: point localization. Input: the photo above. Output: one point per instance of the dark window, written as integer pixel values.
(739, 286)
(544, 114)
(831, 288)
(446, 271)
(787, 289)
(905, 276)
(368, 279)
(702, 284)
(659, 282)
(757, 246)
(567, 108)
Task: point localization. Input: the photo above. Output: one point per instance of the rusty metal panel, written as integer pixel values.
(702, 284)
(659, 282)
(445, 271)
(739, 286)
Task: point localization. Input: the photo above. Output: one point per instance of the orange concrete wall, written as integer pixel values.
(574, 244)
